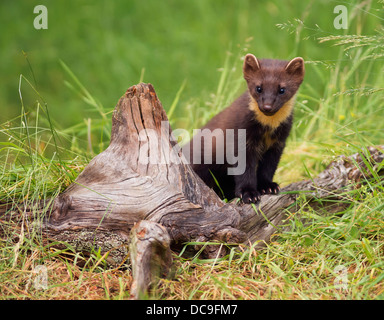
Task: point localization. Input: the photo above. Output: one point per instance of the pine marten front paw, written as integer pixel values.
(248, 195)
(268, 188)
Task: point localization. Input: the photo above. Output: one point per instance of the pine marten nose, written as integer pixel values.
(267, 109)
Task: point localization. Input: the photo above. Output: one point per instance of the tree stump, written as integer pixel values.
(143, 175)
(120, 186)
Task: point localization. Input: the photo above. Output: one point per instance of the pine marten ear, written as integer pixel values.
(295, 67)
(251, 66)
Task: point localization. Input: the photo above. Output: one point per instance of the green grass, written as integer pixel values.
(60, 118)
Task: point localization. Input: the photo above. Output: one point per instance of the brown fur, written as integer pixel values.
(266, 112)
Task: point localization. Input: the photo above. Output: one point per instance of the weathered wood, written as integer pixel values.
(342, 175)
(150, 256)
(118, 188)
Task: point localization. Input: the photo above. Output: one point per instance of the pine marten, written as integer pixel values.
(265, 111)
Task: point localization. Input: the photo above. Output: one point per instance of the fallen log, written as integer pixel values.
(143, 175)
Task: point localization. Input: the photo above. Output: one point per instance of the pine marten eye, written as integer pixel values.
(259, 89)
(281, 90)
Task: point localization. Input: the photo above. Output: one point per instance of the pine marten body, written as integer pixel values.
(265, 111)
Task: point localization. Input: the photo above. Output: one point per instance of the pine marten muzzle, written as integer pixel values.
(265, 113)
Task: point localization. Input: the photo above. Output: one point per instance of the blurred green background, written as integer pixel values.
(111, 45)
(58, 88)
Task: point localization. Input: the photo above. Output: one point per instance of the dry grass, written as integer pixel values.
(65, 282)
(338, 111)
(299, 264)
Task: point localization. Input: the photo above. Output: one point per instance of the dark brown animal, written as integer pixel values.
(265, 114)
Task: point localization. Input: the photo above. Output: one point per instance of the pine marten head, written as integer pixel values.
(272, 85)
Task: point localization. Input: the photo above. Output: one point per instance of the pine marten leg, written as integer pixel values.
(266, 170)
(245, 184)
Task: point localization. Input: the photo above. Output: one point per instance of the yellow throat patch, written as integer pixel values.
(272, 121)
